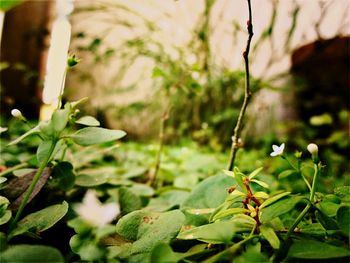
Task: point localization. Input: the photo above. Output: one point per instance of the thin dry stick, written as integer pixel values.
(165, 116)
(247, 93)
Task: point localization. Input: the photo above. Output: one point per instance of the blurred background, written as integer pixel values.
(144, 63)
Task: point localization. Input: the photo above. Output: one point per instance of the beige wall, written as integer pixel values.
(176, 19)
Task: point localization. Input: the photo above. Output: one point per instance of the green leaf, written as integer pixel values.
(5, 217)
(6, 5)
(286, 173)
(23, 172)
(229, 212)
(261, 183)
(209, 193)
(129, 201)
(270, 236)
(94, 135)
(25, 135)
(88, 121)
(343, 218)
(44, 148)
(343, 192)
(278, 208)
(273, 199)
(162, 253)
(239, 178)
(31, 253)
(63, 176)
(255, 172)
(148, 229)
(88, 180)
(2, 179)
(59, 120)
(41, 220)
(311, 249)
(219, 232)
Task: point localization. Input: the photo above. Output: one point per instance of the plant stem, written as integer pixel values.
(153, 177)
(32, 185)
(14, 168)
(309, 205)
(298, 170)
(247, 94)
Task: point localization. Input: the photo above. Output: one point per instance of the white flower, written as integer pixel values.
(312, 148)
(96, 213)
(3, 129)
(16, 113)
(277, 150)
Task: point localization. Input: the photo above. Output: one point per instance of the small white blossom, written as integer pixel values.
(277, 150)
(96, 213)
(3, 129)
(312, 148)
(16, 113)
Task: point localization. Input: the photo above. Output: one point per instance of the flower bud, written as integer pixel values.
(72, 61)
(16, 113)
(313, 149)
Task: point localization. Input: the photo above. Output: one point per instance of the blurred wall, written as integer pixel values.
(175, 21)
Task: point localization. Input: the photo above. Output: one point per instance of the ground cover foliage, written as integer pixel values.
(195, 212)
(72, 191)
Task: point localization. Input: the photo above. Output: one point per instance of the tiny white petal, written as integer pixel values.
(16, 113)
(96, 213)
(275, 148)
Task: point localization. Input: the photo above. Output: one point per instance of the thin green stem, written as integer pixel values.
(314, 181)
(298, 170)
(14, 168)
(309, 205)
(32, 185)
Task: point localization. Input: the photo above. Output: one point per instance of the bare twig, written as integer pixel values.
(153, 177)
(247, 93)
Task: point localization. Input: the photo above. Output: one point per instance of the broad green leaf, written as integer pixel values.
(255, 172)
(63, 176)
(88, 121)
(252, 254)
(270, 236)
(87, 248)
(311, 249)
(31, 253)
(329, 208)
(273, 199)
(142, 189)
(220, 232)
(5, 217)
(128, 200)
(200, 211)
(59, 120)
(343, 219)
(41, 220)
(162, 253)
(209, 193)
(88, 180)
(278, 208)
(25, 135)
(148, 229)
(167, 200)
(95, 135)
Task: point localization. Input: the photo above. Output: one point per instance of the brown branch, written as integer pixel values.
(247, 93)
